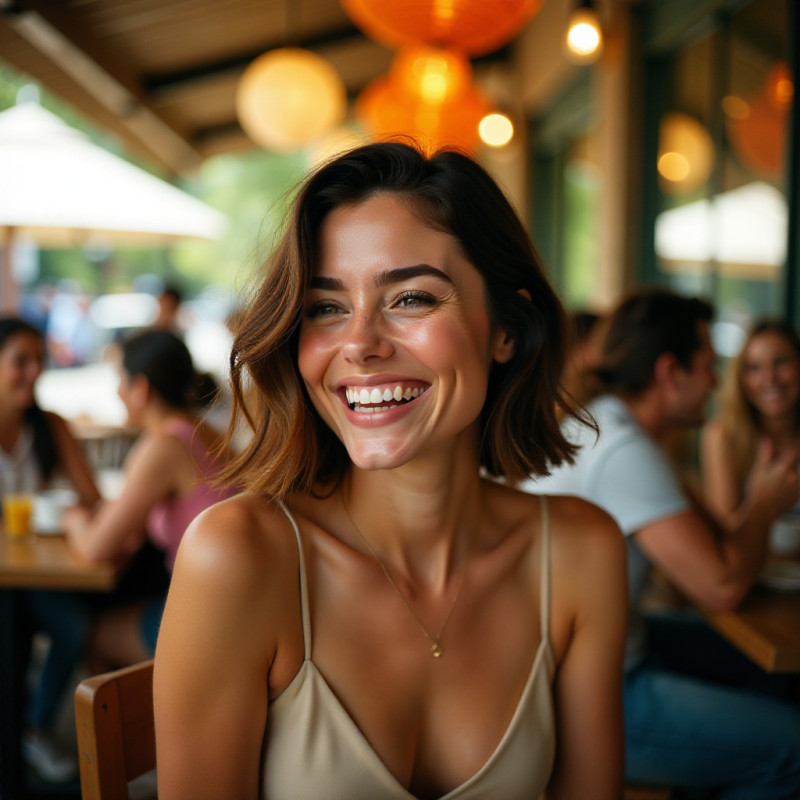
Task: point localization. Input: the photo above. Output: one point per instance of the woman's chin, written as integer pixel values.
(384, 458)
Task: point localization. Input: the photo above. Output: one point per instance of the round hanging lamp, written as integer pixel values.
(496, 130)
(759, 139)
(385, 111)
(779, 88)
(431, 74)
(288, 97)
(685, 153)
(473, 26)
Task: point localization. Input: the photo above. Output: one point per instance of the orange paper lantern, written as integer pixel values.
(759, 140)
(431, 74)
(386, 111)
(473, 26)
(778, 87)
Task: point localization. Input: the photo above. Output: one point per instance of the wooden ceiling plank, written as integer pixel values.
(175, 81)
(61, 38)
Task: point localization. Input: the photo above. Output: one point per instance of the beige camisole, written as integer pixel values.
(315, 751)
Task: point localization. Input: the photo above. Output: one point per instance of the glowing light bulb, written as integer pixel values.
(584, 39)
(496, 130)
(673, 166)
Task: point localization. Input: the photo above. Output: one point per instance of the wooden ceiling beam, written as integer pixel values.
(61, 39)
(175, 81)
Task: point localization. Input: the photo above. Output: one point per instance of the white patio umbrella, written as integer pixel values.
(743, 230)
(61, 190)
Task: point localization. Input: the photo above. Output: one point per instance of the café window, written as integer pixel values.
(566, 191)
(720, 221)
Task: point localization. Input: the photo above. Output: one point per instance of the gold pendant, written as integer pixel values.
(436, 651)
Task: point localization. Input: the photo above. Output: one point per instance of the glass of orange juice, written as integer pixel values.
(17, 513)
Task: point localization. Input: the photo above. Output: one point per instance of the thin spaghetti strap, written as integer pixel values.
(304, 609)
(544, 568)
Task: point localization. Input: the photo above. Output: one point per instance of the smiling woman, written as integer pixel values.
(374, 617)
(760, 401)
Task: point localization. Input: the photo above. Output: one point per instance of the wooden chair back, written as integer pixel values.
(116, 731)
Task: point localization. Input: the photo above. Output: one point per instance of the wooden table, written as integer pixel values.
(45, 562)
(39, 562)
(766, 628)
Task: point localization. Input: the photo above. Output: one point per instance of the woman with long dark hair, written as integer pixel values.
(36, 449)
(374, 618)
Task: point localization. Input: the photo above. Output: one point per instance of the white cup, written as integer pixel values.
(784, 535)
(49, 508)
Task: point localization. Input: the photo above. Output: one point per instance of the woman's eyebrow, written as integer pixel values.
(331, 284)
(382, 279)
(405, 273)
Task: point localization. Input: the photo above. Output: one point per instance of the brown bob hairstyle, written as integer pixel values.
(292, 449)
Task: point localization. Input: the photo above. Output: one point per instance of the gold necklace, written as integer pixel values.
(436, 647)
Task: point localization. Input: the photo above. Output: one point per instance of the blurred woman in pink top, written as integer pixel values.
(168, 482)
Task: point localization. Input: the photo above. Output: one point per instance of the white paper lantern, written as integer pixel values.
(288, 97)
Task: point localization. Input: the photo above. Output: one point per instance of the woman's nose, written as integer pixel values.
(366, 339)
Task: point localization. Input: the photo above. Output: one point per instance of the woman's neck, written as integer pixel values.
(157, 415)
(11, 420)
(422, 518)
(782, 430)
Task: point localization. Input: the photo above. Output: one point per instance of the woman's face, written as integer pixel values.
(771, 375)
(395, 344)
(129, 390)
(21, 363)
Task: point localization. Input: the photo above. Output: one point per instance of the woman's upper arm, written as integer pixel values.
(212, 662)
(119, 526)
(73, 462)
(721, 490)
(592, 583)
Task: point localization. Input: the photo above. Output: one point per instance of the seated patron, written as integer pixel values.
(759, 409)
(683, 727)
(36, 450)
(168, 482)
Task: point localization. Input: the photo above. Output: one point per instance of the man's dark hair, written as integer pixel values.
(646, 325)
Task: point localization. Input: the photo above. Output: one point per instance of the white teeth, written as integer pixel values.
(361, 398)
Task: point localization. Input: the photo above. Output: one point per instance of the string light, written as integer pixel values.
(496, 130)
(583, 43)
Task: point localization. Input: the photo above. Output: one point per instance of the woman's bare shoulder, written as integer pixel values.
(573, 514)
(245, 538)
(716, 432)
(580, 530)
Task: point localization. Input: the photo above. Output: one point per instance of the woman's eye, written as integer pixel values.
(415, 300)
(323, 309)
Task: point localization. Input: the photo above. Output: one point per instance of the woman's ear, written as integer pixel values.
(140, 389)
(503, 346)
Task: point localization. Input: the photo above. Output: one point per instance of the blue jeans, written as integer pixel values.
(710, 739)
(65, 618)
